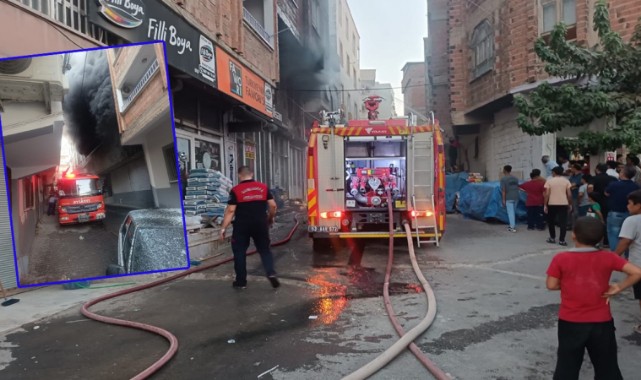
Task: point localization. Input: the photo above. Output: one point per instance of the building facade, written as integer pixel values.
(370, 87)
(490, 57)
(413, 88)
(31, 93)
(345, 41)
(141, 95)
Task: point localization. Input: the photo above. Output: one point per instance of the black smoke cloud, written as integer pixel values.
(89, 105)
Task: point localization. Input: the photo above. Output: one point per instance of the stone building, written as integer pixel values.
(481, 53)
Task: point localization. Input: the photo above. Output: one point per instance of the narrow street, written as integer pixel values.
(74, 251)
(495, 319)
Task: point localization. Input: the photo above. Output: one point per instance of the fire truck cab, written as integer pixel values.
(80, 198)
(355, 170)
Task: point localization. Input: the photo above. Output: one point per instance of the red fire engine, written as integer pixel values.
(352, 168)
(80, 198)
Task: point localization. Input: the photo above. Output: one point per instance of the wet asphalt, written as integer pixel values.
(494, 319)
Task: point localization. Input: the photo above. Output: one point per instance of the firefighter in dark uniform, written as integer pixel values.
(252, 207)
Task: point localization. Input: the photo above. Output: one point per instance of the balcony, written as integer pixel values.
(258, 28)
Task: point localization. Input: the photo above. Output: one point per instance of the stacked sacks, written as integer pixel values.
(207, 194)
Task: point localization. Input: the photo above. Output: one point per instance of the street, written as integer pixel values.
(74, 251)
(495, 319)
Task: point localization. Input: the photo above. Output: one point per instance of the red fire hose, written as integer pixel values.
(173, 341)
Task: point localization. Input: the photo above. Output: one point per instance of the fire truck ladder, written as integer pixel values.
(423, 187)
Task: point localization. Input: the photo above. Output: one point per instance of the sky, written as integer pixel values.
(391, 34)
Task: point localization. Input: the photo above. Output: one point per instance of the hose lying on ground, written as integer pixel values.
(173, 341)
(406, 338)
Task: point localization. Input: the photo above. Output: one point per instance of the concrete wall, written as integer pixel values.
(414, 89)
(131, 186)
(166, 194)
(43, 36)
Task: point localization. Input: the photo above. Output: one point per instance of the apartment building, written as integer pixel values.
(413, 88)
(141, 96)
(345, 42)
(481, 53)
(31, 92)
(371, 87)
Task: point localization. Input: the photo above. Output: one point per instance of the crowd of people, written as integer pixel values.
(603, 211)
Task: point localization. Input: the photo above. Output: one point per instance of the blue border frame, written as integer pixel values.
(176, 161)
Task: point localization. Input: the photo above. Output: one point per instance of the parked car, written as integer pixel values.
(151, 240)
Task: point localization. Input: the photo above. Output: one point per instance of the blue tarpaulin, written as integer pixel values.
(454, 183)
(483, 201)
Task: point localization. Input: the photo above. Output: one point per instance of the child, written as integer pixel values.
(534, 188)
(585, 321)
(630, 239)
(584, 199)
(594, 208)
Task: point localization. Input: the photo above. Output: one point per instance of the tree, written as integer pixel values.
(603, 82)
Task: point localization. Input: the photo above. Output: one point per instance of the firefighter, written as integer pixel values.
(253, 208)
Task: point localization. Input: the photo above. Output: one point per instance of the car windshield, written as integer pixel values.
(78, 187)
(158, 248)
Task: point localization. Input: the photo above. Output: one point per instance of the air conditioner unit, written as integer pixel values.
(44, 68)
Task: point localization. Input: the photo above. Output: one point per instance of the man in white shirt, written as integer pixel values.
(549, 165)
(612, 169)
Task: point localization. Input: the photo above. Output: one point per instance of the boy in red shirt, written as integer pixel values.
(534, 188)
(585, 321)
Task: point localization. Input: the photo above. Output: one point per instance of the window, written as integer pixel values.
(340, 49)
(170, 161)
(482, 47)
(27, 190)
(38, 5)
(259, 14)
(555, 11)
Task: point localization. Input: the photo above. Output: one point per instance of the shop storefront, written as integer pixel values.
(222, 109)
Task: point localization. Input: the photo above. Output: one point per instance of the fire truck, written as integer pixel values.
(80, 198)
(356, 169)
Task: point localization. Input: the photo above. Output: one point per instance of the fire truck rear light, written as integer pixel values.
(428, 213)
(415, 213)
(331, 214)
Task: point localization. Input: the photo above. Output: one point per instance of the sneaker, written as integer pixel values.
(563, 243)
(238, 285)
(274, 281)
(510, 229)
(637, 329)
(551, 241)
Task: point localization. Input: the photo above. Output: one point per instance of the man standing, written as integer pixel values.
(575, 180)
(510, 195)
(617, 195)
(253, 208)
(612, 169)
(534, 189)
(549, 165)
(599, 183)
(632, 160)
(557, 203)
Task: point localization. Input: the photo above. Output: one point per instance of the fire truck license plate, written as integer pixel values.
(321, 229)
(83, 218)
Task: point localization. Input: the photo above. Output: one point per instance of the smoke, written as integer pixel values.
(89, 104)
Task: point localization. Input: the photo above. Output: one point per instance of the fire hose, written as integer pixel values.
(406, 338)
(173, 341)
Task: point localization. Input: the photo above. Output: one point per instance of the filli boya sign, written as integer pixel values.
(138, 21)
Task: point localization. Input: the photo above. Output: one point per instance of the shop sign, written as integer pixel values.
(250, 151)
(136, 21)
(610, 156)
(239, 82)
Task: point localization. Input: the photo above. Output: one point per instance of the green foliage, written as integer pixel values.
(601, 82)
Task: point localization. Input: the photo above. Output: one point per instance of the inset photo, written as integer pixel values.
(90, 164)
